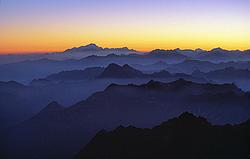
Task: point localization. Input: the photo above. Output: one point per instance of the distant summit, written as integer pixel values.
(199, 50)
(94, 48)
(90, 47)
(218, 50)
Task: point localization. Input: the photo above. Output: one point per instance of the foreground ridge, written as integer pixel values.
(187, 136)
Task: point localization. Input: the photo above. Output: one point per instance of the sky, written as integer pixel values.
(35, 26)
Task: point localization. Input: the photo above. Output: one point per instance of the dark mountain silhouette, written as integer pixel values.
(116, 71)
(227, 73)
(140, 105)
(183, 86)
(187, 136)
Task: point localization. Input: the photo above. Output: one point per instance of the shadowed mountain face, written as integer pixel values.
(140, 105)
(187, 136)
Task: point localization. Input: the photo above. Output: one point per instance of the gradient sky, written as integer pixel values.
(55, 25)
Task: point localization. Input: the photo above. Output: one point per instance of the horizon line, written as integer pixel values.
(139, 51)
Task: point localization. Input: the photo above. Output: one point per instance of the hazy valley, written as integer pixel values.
(53, 105)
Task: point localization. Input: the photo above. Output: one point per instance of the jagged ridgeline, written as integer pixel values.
(96, 88)
(187, 136)
(60, 132)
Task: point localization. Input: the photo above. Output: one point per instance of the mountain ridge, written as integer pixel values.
(139, 105)
(94, 47)
(186, 136)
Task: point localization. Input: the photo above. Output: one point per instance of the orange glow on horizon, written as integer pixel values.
(42, 26)
(142, 50)
(57, 38)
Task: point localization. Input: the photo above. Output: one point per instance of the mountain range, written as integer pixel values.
(141, 105)
(19, 102)
(190, 66)
(95, 48)
(52, 105)
(240, 77)
(214, 55)
(69, 87)
(175, 61)
(73, 53)
(112, 71)
(200, 139)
